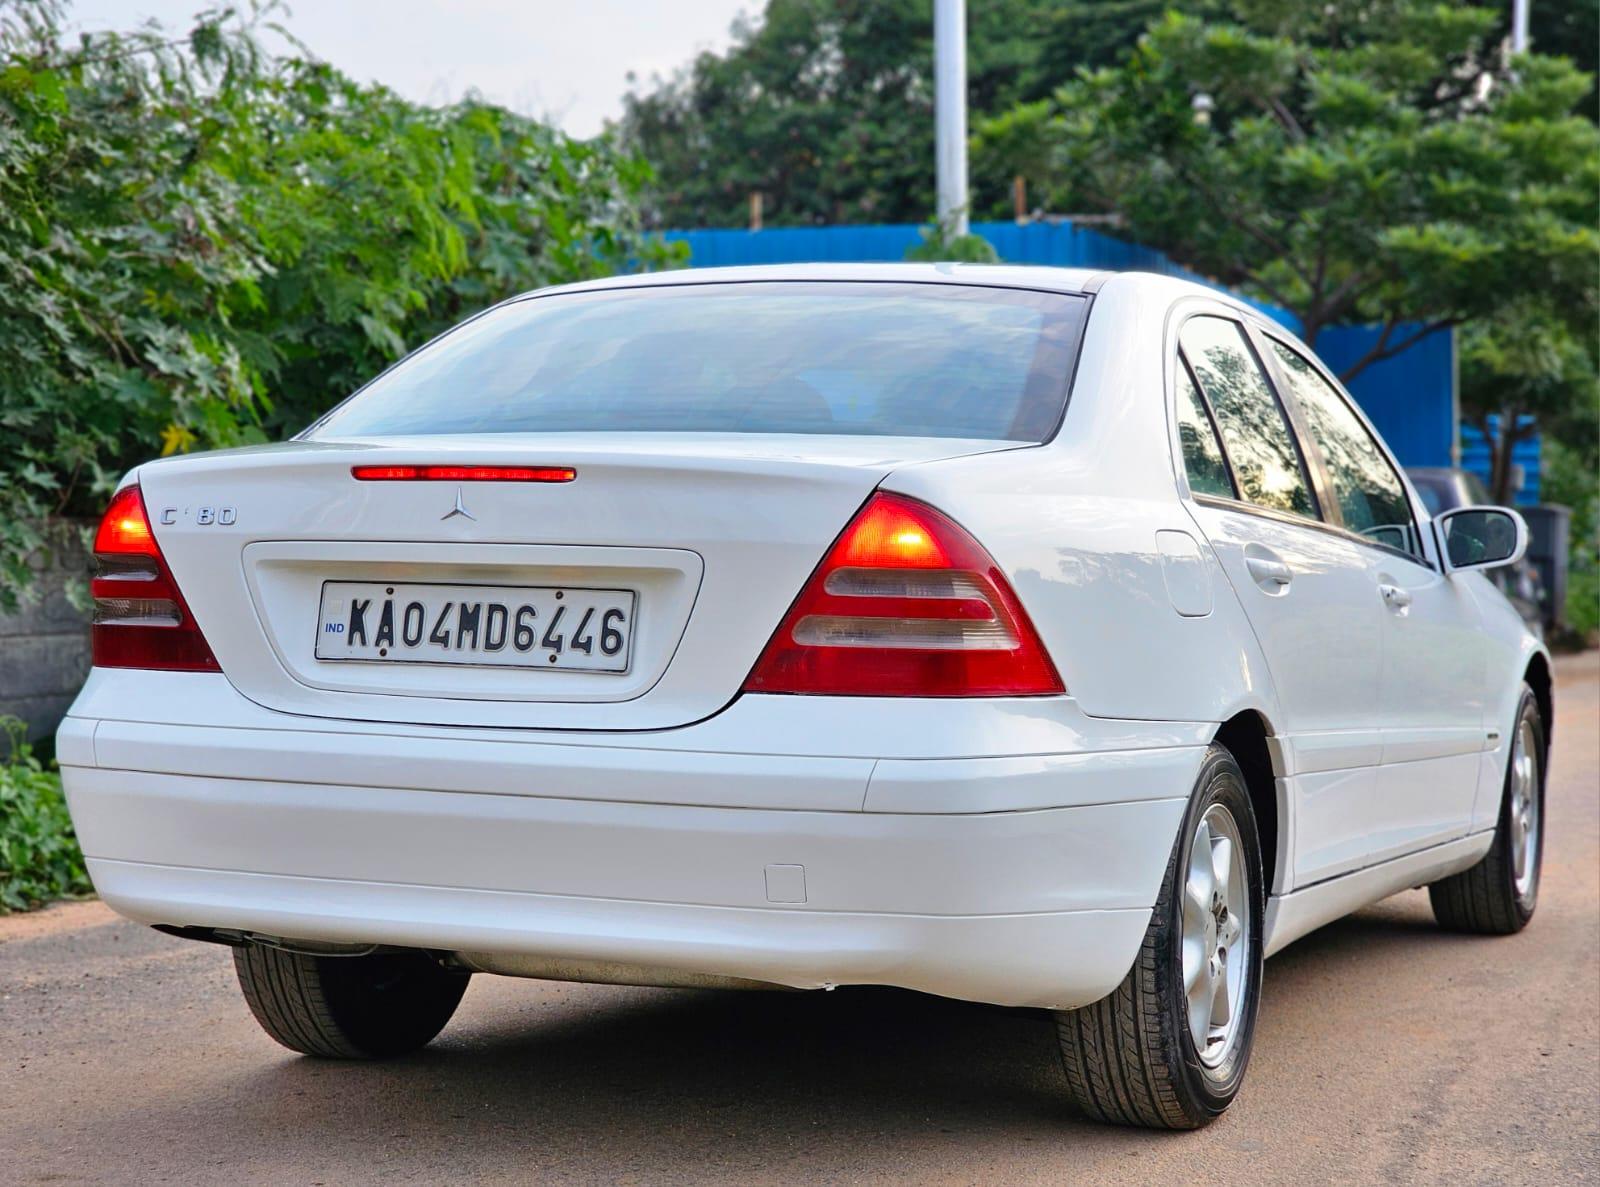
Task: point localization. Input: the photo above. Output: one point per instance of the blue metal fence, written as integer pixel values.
(1475, 457)
(1411, 397)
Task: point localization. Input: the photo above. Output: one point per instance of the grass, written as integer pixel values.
(39, 855)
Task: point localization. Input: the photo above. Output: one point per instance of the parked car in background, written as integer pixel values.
(1039, 637)
(1444, 488)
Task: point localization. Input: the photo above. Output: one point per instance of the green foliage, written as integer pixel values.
(1377, 161)
(1567, 29)
(1353, 161)
(1533, 368)
(938, 246)
(825, 107)
(1583, 602)
(120, 273)
(39, 856)
(202, 245)
(1571, 479)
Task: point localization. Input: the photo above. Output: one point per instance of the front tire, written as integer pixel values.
(348, 1007)
(1497, 896)
(1168, 1048)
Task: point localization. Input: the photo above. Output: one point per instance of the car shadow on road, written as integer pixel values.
(651, 1071)
(627, 1080)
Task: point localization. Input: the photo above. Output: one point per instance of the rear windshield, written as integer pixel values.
(923, 360)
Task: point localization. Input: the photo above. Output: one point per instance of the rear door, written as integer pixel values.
(1310, 592)
(1434, 669)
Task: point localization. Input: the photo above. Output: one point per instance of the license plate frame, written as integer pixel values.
(549, 604)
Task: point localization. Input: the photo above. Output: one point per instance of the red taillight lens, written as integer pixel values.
(140, 618)
(906, 603)
(463, 473)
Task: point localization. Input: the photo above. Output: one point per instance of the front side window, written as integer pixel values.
(1255, 432)
(1372, 499)
(858, 359)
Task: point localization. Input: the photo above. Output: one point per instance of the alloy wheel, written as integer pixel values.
(1216, 935)
(1524, 793)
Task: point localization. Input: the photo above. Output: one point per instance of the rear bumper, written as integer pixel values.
(644, 857)
(1054, 959)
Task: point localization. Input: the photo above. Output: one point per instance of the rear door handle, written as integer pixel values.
(1268, 572)
(1395, 597)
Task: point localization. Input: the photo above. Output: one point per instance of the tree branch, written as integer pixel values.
(1342, 298)
(1270, 242)
(1275, 108)
(1382, 349)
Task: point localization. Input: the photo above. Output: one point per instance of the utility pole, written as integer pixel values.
(950, 112)
(1519, 26)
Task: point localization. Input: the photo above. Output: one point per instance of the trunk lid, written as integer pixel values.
(711, 534)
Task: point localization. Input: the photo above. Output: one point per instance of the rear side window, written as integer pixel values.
(1197, 437)
(1255, 432)
(866, 359)
(1372, 499)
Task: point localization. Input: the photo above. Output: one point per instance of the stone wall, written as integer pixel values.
(44, 647)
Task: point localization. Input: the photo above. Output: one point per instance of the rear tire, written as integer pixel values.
(348, 1007)
(1497, 896)
(1143, 1055)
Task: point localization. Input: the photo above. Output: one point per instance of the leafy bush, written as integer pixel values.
(1571, 479)
(940, 244)
(39, 856)
(1583, 603)
(204, 245)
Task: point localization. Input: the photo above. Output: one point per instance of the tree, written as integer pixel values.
(825, 107)
(1568, 29)
(1350, 160)
(203, 245)
(386, 223)
(1532, 369)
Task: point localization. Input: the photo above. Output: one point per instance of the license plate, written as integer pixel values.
(557, 628)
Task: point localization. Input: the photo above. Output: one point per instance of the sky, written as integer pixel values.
(564, 60)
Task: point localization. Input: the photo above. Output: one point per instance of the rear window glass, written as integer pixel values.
(923, 360)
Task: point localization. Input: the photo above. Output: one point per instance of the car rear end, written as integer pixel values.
(596, 641)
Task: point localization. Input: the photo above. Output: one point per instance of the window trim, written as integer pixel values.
(1246, 332)
(1288, 518)
(1309, 443)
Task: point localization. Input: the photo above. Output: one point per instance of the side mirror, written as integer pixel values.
(1481, 537)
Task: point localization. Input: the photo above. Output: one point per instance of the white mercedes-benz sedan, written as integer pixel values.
(1037, 637)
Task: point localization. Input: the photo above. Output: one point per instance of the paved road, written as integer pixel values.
(1388, 1052)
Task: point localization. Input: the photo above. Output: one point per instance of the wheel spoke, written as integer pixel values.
(1200, 999)
(1222, 867)
(1202, 880)
(1221, 1010)
(1231, 930)
(1194, 964)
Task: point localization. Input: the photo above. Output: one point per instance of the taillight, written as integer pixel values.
(140, 618)
(906, 603)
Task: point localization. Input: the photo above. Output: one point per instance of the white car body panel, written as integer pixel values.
(999, 849)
